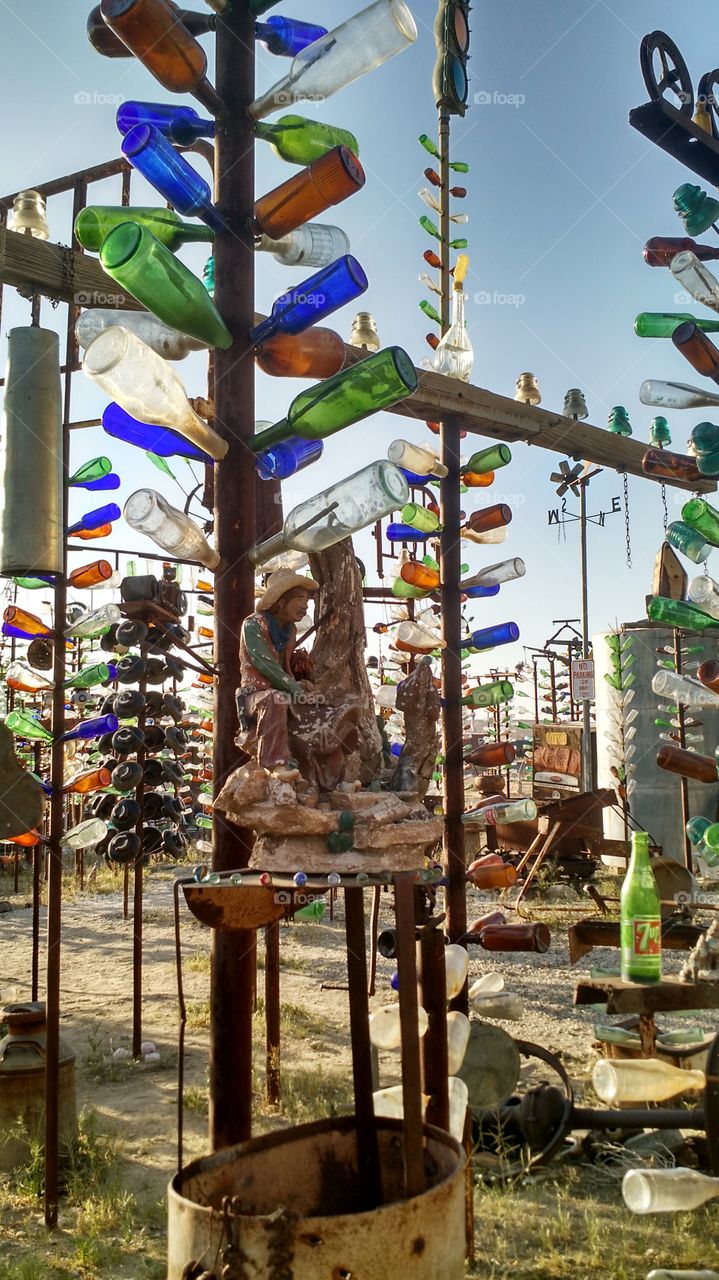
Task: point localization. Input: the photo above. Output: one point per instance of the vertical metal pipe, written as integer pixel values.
(411, 1088)
(587, 759)
(553, 687)
(683, 782)
(434, 1044)
(233, 953)
(273, 1087)
(137, 893)
(37, 856)
(370, 1181)
(450, 562)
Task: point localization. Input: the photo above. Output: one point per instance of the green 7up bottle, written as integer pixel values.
(640, 917)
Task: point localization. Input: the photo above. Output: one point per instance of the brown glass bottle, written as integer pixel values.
(490, 518)
(689, 764)
(420, 575)
(500, 876)
(327, 181)
(659, 251)
(153, 32)
(89, 780)
(492, 917)
(708, 673)
(672, 466)
(492, 755)
(91, 575)
(698, 349)
(104, 41)
(515, 937)
(316, 353)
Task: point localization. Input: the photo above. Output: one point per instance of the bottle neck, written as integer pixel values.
(275, 434)
(267, 132)
(191, 231)
(457, 309)
(263, 551)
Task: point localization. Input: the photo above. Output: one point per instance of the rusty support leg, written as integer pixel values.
(137, 895)
(37, 857)
(125, 891)
(273, 1091)
(370, 1181)
(233, 953)
(430, 956)
(683, 783)
(411, 1088)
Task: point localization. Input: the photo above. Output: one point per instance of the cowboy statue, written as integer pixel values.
(284, 721)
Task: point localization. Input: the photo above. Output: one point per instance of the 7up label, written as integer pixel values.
(641, 945)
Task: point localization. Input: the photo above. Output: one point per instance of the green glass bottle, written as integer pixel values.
(347, 397)
(430, 312)
(300, 141)
(491, 459)
(25, 726)
(138, 261)
(677, 613)
(405, 591)
(640, 928)
(420, 518)
(94, 469)
(699, 515)
(489, 695)
(96, 222)
(661, 324)
(88, 677)
(30, 584)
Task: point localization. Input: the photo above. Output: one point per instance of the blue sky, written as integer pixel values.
(562, 195)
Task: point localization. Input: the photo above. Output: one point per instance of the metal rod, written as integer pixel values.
(411, 1087)
(273, 1086)
(430, 956)
(683, 782)
(587, 758)
(233, 953)
(37, 857)
(638, 1118)
(370, 1181)
(137, 887)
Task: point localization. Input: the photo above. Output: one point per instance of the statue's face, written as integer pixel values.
(292, 606)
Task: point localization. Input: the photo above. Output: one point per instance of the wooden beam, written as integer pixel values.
(32, 265)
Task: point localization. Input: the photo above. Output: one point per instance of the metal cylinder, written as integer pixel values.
(22, 1084)
(31, 489)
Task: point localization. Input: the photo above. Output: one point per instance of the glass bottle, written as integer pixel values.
(500, 814)
(489, 459)
(87, 535)
(338, 512)
(96, 474)
(700, 283)
(93, 728)
(158, 39)
(166, 341)
(702, 517)
(661, 324)
(672, 466)
(419, 575)
(708, 674)
(95, 622)
(24, 623)
(300, 141)
(688, 764)
(90, 575)
(286, 37)
(337, 175)
(86, 781)
(697, 349)
(455, 355)
(24, 725)
(316, 353)
(642, 1080)
(489, 518)
(667, 1191)
(474, 480)
(313, 299)
(420, 518)
(286, 459)
(640, 916)
(133, 257)
(148, 512)
(432, 314)
(501, 633)
(172, 176)
(677, 688)
(413, 638)
(494, 574)
(675, 395)
(404, 533)
(312, 245)
(489, 695)
(86, 834)
(88, 677)
(403, 591)
(147, 436)
(35, 584)
(413, 457)
(182, 125)
(515, 937)
(360, 44)
(697, 210)
(490, 755)
(690, 542)
(660, 250)
(98, 518)
(24, 680)
(145, 386)
(376, 383)
(501, 875)
(109, 45)
(96, 221)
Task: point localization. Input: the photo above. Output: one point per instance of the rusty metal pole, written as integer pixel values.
(684, 784)
(137, 886)
(233, 953)
(273, 1084)
(450, 563)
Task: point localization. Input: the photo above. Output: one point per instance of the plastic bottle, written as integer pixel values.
(148, 512)
(642, 1080)
(300, 141)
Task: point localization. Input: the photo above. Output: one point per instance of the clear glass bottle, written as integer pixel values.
(417, 639)
(500, 814)
(95, 622)
(690, 693)
(494, 574)
(490, 538)
(458, 1033)
(644, 1080)
(454, 356)
(359, 45)
(416, 458)
(699, 281)
(312, 245)
(86, 834)
(148, 512)
(24, 680)
(676, 395)
(300, 141)
(144, 385)
(166, 341)
(338, 512)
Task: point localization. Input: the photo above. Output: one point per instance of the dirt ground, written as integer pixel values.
(569, 1222)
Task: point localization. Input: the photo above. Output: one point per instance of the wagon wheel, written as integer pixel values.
(674, 75)
(706, 97)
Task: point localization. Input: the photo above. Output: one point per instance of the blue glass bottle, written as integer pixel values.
(110, 481)
(313, 299)
(287, 36)
(479, 593)
(94, 519)
(284, 460)
(415, 480)
(501, 633)
(92, 728)
(170, 174)
(182, 125)
(160, 440)
(405, 533)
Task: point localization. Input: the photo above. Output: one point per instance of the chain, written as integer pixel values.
(627, 530)
(665, 517)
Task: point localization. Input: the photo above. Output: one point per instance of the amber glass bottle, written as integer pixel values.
(492, 755)
(87, 781)
(327, 181)
(420, 575)
(154, 33)
(708, 673)
(671, 466)
(515, 937)
(316, 353)
(91, 575)
(490, 518)
(698, 349)
(689, 764)
(103, 41)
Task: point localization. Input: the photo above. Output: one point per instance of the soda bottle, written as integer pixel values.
(640, 917)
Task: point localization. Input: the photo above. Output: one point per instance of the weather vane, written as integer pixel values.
(572, 478)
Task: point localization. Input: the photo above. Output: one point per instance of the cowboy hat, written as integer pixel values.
(282, 581)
